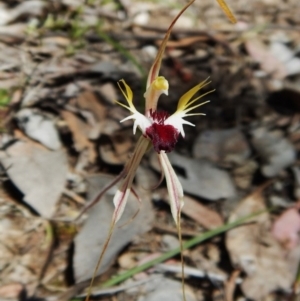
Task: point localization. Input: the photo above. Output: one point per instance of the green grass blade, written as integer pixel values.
(192, 242)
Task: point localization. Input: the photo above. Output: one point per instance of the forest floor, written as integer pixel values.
(62, 142)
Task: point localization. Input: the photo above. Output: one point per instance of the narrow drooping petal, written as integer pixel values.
(154, 71)
(174, 187)
(121, 196)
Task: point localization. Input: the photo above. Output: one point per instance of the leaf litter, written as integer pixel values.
(87, 245)
(58, 59)
(38, 173)
(254, 250)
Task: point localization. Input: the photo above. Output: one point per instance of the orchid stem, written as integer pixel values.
(111, 229)
(181, 254)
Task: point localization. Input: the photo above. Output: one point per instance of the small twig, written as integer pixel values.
(195, 272)
(74, 196)
(231, 284)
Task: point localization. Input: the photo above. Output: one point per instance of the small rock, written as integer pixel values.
(141, 18)
(202, 178)
(39, 128)
(39, 173)
(222, 146)
(169, 242)
(275, 150)
(168, 290)
(150, 51)
(286, 56)
(278, 201)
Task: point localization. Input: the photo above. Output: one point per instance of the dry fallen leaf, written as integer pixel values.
(117, 149)
(167, 290)
(39, 128)
(11, 290)
(12, 34)
(202, 177)
(79, 131)
(202, 215)
(253, 249)
(222, 146)
(24, 249)
(276, 151)
(285, 55)
(268, 62)
(286, 228)
(90, 240)
(108, 91)
(26, 8)
(39, 173)
(88, 102)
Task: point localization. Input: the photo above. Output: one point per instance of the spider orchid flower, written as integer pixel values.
(158, 129)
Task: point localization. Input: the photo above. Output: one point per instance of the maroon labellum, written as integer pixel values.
(163, 136)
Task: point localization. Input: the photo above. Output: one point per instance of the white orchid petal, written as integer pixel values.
(187, 122)
(140, 121)
(127, 118)
(135, 125)
(174, 187)
(177, 122)
(121, 196)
